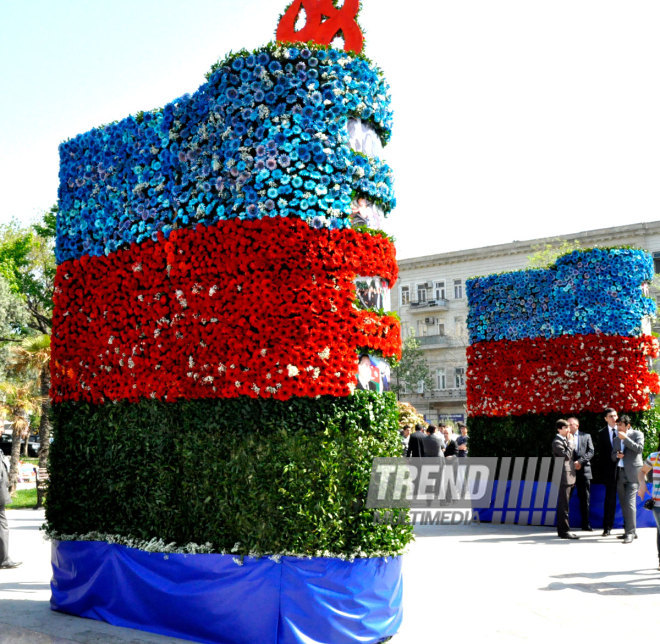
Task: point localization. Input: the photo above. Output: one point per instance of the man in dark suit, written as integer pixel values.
(432, 443)
(583, 453)
(416, 442)
(562, 446)
(627, 454)
(5, 561)
(607, 468)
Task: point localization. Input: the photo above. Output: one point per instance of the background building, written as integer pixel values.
(430, 299)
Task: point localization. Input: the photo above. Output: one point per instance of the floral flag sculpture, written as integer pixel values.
(563, 340)
(206, 337)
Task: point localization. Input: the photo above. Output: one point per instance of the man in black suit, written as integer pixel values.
(432, 443)
(416, 442)
(583, 453)
(608, 468)
(562, 446)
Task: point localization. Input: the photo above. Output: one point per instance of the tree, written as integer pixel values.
(17, 401)
(27, 263)
(413, 371)
(13, 321)
(31, 359)
(27, 275)
(545, 255)
(408, 415)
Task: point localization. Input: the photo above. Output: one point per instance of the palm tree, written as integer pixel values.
(32, 357)
(17, 401)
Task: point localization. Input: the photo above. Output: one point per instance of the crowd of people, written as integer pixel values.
(617, 446)
(435, 441)
(619, 449)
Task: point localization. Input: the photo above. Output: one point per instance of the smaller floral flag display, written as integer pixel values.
(562, 340)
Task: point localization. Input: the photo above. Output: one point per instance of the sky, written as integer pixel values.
(514, 119)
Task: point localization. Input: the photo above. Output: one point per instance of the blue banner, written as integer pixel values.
(220, 599)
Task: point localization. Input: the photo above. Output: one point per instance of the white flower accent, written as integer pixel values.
(292, 370)
(325, 354)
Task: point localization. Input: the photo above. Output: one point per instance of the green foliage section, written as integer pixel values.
(272, 476)
(532, 435)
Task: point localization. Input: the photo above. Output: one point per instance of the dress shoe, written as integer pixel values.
(587, 528)
(628, 538)
(623, 536)
(568, 535)
(11, 564)
(606, 533)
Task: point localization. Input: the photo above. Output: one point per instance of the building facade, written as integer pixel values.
(429, 296)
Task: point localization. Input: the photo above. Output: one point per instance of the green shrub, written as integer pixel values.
(272, 476)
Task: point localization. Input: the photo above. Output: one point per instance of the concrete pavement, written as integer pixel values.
(503, 583)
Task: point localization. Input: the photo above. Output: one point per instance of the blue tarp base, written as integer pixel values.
(211, 598)
(525, 507)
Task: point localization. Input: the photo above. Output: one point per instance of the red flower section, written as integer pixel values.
(262, 308)
(560, 375)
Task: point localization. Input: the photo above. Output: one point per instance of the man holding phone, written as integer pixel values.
(627, 449)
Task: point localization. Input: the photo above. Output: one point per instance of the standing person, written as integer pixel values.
(450, 443)
(405, 437)
(416, 442)
(606, 438)
(583, 453)
(652, 463)
(627, 454)
(5, 561)
(562, 446)
(432, 443)
(462, 440)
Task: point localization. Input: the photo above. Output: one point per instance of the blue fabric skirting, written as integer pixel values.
(519, 505)
(210, 598)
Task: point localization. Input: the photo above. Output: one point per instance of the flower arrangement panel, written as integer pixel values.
(266, 136)
(594, 291)
(560, 375)
(259, 309)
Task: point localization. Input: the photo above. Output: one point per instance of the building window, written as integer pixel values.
(421, 293)
(441, 329)
(656, 262)
(458, 289)
(441, 377)
(459, 327)
(460, 377)
(440, 293)
(405, 295)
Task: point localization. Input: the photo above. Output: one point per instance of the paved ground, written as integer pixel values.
(501, 583)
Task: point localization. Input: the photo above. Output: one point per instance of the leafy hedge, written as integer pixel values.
(244, 475)
(532, 435)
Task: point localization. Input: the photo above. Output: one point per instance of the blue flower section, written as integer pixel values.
(594, 291)
(266, 136)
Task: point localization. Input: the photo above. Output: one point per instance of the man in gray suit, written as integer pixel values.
(432, 443)
(5, 561)
(627, 449)
(562, 446)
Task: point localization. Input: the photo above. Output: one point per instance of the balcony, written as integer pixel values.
(445, 395)
(429, 305)
(436, 340)
(454, 394)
